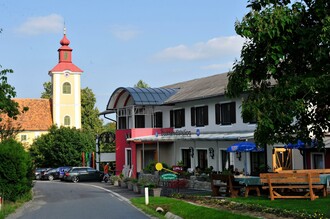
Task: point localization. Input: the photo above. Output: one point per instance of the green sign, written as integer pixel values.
(168, 176)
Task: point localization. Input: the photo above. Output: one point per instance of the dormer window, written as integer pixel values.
(66, 88)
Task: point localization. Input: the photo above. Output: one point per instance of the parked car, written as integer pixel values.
(51, 174)
(62, 171)
(77, 174)
(39, 172)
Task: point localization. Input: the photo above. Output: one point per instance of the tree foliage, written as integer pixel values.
(7, 92)
(90, 120)
(284, 68)
(141, 84)
(47, 93)
(62, 146)
(16, 170)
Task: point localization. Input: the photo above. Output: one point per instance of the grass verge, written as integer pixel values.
(10, 207)
(182, 209)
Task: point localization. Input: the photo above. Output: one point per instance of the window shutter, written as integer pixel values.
(217, 114)
(206, 115)
(193, 116)
(233, 112)
(183, 118)
(171, 118)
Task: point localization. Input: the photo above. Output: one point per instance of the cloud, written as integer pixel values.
(213, 48)
(52, 23)
(125, 33)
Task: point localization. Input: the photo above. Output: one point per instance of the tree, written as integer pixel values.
(7, 92)
(47, 94)
(62, 147)
(9, 109)
(16, 170)
(284, 69)
(89, 114)
(141, 84)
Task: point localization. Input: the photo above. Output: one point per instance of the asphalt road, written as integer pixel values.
(62, 200)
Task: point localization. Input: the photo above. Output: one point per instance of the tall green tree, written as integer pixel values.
(62, 146)
(141, 84)
(7, 92)
(89, 114)
(285, 69)
(47, 93)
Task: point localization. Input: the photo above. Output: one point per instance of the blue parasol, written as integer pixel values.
(299, 145)
(244, 146)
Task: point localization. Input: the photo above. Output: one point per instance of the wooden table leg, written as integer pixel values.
(248, 188)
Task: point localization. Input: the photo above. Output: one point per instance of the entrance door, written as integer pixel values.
(149, 157)
(282, 159)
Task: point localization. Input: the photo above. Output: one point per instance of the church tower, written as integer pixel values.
(66, 95)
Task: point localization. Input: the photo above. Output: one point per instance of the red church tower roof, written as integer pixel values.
(65, 61)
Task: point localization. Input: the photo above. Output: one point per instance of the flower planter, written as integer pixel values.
(156, 192)
(136, 188)
(130, 185)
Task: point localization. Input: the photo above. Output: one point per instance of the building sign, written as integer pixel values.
(177, 168)
(168, 176)
(178, 133)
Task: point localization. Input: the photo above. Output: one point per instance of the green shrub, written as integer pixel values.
(16, 170)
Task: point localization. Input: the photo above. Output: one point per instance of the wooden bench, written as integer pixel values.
(224, 184)
(285, 185)
(320, 171)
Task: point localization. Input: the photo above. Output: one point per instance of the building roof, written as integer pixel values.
(200, 88)
(37, 118)
(139, 96)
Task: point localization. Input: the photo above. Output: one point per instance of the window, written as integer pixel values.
(66, 88)
(128, 157)
(67, 120)
(202, 159)
(199, 116)
(23, 137)
(122, 122)
(139, 121)
(250, 118)
(225, 114)
(158, 120)
(317, 160)
(258, 163)
(225, 160)
(177, 118)
(186, 158)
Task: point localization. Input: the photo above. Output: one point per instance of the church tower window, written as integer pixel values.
(67, 120)
(66, 88)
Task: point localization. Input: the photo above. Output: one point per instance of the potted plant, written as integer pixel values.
(135, 185)
(129, 183)
(114, 179)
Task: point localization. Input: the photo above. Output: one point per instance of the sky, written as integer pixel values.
(118, 43)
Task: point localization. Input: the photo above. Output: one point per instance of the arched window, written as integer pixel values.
(67, 120)
(66, 88)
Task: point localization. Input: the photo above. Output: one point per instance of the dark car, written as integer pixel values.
(39, 172)
(77, 174)
(51, 174)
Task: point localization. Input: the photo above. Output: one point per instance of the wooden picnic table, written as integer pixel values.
(285, 185)
(250, 183)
